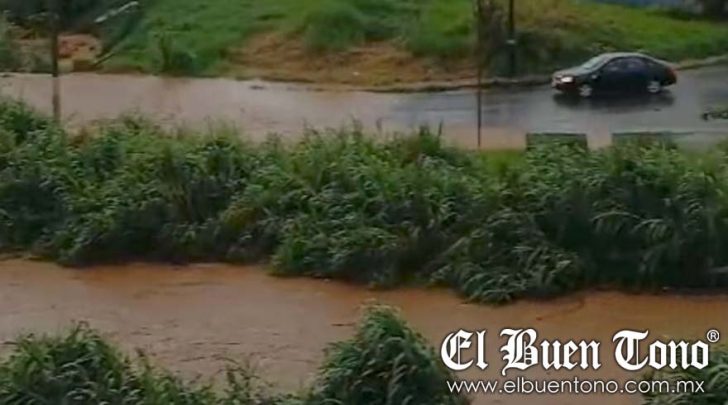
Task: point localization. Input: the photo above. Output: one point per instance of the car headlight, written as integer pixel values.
(567, 79)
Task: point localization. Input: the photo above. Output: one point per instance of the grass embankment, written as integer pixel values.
(714, 377)
(386, 41)
(339, 205)
(384, 363)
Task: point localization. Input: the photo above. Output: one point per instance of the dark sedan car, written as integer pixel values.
(616, 72)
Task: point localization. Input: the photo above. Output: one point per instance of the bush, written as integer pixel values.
(80, 367)
(442, 30)
(572, 139)
(22, 11)
(335, 25)
(340, 205)
(508, 257)
(173, 59)
(714, 377)
(20, 121)
(714, 8)
(384, 363)
(10, 56)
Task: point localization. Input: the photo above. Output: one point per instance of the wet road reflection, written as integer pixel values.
(262, 108)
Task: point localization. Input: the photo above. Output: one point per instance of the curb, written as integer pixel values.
(467, 84)
(699, 63)
(523, 81)
(435, 86)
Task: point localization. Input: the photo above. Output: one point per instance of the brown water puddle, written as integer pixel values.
(192, 319)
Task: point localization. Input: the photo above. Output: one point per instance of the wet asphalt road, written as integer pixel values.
(541, 109)
(262, 108)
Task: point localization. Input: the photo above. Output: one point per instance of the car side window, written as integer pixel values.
(636, 64)
(654, 65)
(615, 66)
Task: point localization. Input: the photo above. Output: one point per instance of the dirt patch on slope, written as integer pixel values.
(275, 57)
(76, 52)
(80, 51)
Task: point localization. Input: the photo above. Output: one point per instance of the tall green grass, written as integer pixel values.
(340, 205)
(82, 368)
(336, 25)
(714, 379)
(551, 33)
(385, 363)
(10, 56)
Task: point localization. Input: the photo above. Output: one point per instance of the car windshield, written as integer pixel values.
(594, 62)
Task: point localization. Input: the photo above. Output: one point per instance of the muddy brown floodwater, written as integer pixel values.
(193, 318)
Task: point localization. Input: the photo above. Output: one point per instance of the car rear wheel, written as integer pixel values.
(586, 91)
(654, 87)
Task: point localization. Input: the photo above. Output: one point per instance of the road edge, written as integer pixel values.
(523, 81)
(438, 86)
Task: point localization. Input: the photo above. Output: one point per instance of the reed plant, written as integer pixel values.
(338, 204)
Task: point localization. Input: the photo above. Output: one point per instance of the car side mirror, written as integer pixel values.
(595, 76)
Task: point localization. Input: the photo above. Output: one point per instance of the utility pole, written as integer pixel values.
(54, 22)
(512, 37)
(479, 61)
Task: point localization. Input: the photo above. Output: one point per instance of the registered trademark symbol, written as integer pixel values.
(713, 336)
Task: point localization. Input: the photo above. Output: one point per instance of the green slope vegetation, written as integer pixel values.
(386, 362)
(340, 205)
(204, 36)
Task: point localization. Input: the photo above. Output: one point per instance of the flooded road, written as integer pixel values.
(262, 108)
(191, 319)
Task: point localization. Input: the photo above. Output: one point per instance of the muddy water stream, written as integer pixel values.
(193, 318)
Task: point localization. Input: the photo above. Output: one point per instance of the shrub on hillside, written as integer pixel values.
(714, 377)
(173, 59)
(508, 257)
(341, 205)
(20, 121)
(636, 215)
(441, 30)
(80, 367)
(138, 191)
(10, 55)
(24, 11)
(335, 25)
(384, 363)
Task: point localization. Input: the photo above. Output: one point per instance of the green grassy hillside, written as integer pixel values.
(223, 36)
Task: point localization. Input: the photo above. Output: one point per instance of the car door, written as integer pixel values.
(613, 76)
(637, 75)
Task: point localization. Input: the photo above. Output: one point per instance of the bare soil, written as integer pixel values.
(275, 57)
